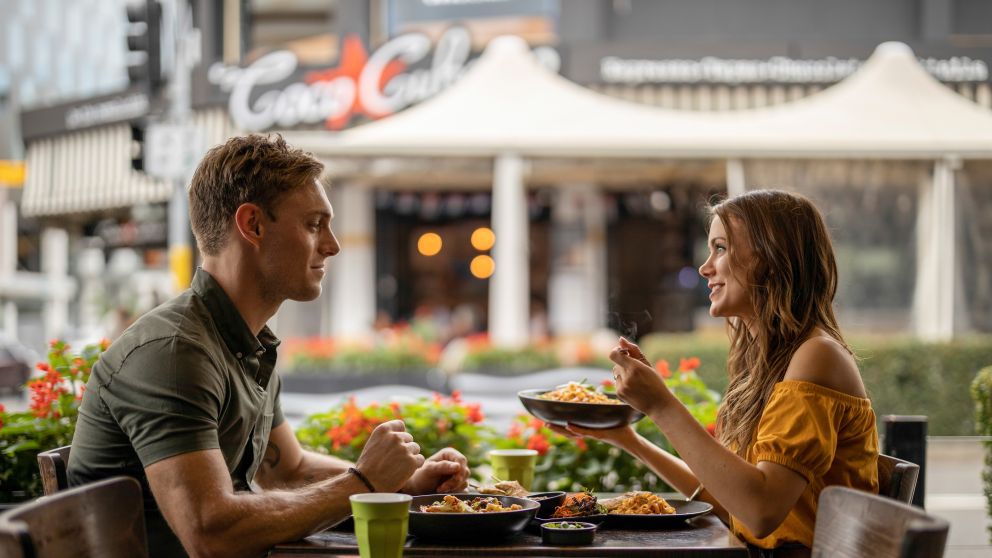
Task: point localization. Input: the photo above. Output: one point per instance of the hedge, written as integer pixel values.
(903, 376)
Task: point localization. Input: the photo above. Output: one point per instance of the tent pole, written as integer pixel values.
(736, 183)
(509, 291)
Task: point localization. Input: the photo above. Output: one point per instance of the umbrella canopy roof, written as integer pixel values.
(507, 102)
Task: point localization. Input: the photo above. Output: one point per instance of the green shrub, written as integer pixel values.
(48, 423)
(509, 361)
(904, 376)
(981, 392)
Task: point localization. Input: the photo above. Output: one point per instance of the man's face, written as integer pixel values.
(297, 243)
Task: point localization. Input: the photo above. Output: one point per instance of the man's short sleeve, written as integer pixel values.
(167, 397)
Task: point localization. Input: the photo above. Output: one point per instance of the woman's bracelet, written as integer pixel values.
(365, 480)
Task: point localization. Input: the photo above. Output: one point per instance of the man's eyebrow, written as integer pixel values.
(321, 213)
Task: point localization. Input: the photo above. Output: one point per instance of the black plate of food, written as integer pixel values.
(683, 510)
(451, 521)
(612, 414)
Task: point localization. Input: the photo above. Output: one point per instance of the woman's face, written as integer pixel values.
(728, 294)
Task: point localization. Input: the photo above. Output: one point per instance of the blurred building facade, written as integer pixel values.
(607, 245)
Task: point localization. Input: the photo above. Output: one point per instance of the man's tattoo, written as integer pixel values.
(272, 456)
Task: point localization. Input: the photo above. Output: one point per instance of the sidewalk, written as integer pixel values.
(954, 492)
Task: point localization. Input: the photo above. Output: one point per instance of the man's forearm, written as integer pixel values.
(309, 467)
(247, 524)
(315, 467)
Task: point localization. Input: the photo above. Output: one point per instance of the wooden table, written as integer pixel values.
(700, 537)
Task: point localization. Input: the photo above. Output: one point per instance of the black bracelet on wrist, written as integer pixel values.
(365, 480)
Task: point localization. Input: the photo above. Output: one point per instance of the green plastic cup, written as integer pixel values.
(381, 521)
(514, 464)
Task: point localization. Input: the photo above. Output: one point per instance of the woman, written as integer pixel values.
(795, 417)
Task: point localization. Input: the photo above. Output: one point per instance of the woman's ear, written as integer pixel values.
(248, 221)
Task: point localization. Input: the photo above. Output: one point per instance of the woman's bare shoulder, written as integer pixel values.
(824, 361)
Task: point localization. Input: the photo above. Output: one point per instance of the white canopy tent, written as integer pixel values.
(509, 107)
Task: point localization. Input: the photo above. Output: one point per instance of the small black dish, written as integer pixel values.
(580, 533)
(595, 519)
(549, 501)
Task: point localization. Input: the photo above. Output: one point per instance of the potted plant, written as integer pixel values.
(49, 421)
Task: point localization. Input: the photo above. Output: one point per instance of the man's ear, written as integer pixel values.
(248, 220)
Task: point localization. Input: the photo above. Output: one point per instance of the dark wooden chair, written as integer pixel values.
(851, 524)
(52, 464)
(897, 478)
(104, 519)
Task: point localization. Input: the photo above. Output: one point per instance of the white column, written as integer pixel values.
(8, 261)
(509, 294)
(935, 295)
(349, 310)
(577, 286)
(55, 267)
(736, 181)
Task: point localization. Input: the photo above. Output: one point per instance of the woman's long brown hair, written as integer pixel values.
(791, 278)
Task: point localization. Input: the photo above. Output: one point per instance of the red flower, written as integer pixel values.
(711, 428)
(396, 409)
(662, 367)
(475, 415)
(536, 424)
(538, 442)
(516, 429)
(583, 446)
(104, 343)
(687, 364)
(456, 396)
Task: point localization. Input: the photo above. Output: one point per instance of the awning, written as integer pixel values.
(91, 170)
(508, 103)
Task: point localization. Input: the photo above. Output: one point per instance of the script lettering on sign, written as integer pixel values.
(374, 86)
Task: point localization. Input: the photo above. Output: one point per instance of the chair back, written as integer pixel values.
(104, 519)
(53, 464)
(851, 524)
(897, 478)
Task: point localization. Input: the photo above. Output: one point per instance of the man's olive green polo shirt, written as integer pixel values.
(187, 376)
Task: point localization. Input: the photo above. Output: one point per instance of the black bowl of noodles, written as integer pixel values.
(588, 415)
(477, 526)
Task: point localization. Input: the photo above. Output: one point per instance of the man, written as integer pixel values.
(186, 400)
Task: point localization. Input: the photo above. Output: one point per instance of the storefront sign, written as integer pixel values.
(79, 115)
(777, 69)
(391, 79)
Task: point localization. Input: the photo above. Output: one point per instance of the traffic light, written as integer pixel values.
(144, 42)
(138, 146)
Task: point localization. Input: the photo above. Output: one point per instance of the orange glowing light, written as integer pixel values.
(482, 266)
(429, 244)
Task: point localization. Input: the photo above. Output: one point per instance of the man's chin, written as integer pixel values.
(308, 295)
